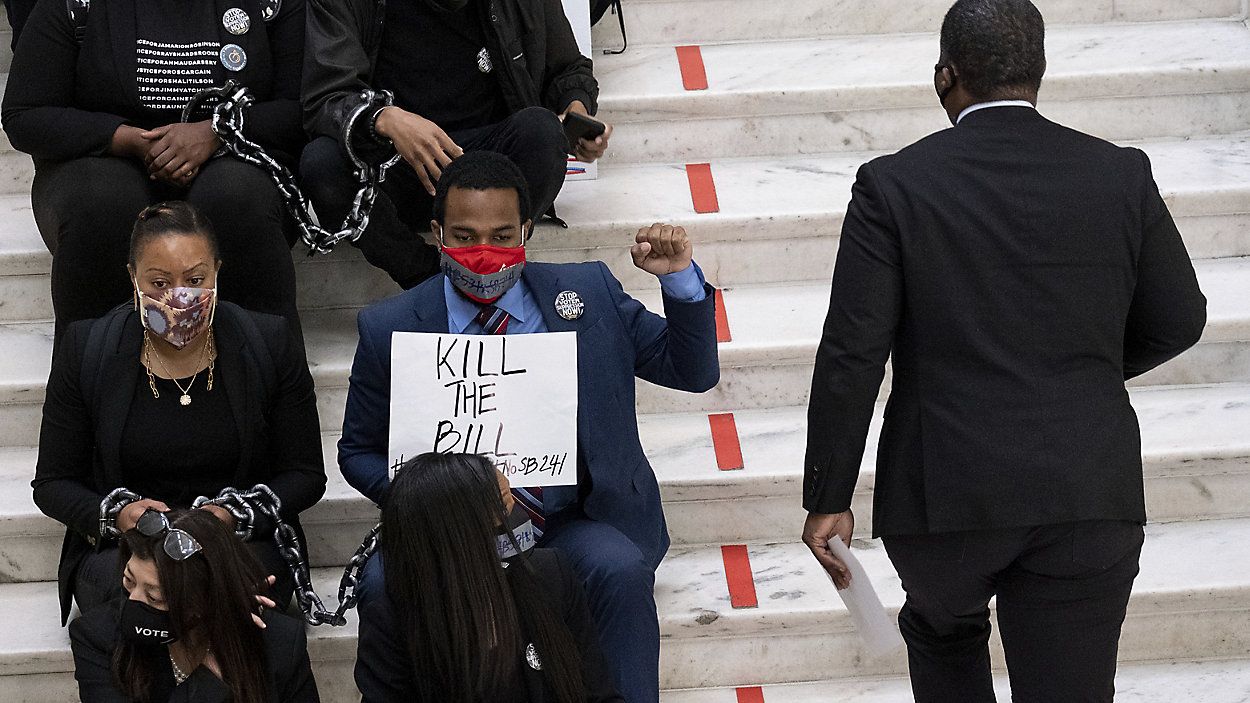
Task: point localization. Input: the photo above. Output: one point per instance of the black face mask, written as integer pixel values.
(143, 624)
(448, 5)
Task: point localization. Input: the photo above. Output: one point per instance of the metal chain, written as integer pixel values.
(244, 505)
(227, 120)
(111, 506)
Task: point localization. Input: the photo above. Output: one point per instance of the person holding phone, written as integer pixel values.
(193, 626)
(467, 75)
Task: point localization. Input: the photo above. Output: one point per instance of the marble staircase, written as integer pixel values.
(800, 93)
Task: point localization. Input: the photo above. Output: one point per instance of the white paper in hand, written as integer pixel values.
(878, 630)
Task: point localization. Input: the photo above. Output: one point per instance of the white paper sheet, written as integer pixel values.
(875, 626)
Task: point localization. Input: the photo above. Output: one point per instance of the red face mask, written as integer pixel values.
(483, 273)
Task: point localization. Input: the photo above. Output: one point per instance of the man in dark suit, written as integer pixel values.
(1019, 272)
(611, 524)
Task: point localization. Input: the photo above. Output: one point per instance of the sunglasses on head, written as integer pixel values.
(179, 544)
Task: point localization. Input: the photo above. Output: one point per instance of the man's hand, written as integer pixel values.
(178, 151)
(662, 249)
(588, 150)
(129, 516)
(423, 144)
(505, 492)
(222, 514)
(818, 531)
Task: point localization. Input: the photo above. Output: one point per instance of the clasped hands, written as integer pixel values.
(173, 153)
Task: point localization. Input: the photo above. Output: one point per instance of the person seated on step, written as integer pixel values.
(95, 96)
(188, 627)
(171, 397)
(462, 620)
(611, 524)
(466, 75)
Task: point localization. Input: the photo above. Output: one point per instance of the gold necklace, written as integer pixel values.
(210, 348)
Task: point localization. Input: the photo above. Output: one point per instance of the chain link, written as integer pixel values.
(227, 120)
(244, 505)
(111, 507)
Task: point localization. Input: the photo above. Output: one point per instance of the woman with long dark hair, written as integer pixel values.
(187, 629)
(461, 624)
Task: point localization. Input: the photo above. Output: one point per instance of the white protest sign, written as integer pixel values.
(512, 398)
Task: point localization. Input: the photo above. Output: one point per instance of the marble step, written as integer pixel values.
(671, 22)
(1129, 81)
(1191, 602)
(768, 363)
(1195, 452)
(779, 220)
(1199, 682)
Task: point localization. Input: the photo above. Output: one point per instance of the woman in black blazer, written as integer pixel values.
(186, 631)
(95, 94)
(462, 621)
(177, 400)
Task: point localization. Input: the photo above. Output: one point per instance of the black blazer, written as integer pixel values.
(1019, 271)
(80, 438)
(384, 672)
(64, 101)
(94, 636)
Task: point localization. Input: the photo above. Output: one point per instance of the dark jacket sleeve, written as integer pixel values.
(92, 639)
(864, 308)
(1169, 311)
(336, 65)
(676, 351)
(366, 419)
(595, 673)
(276, 123)
(383, 671)
(39, 114)
(570, 76)
(299, 479)
(63, 484)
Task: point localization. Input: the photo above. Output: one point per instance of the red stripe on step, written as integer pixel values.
(738, 576)
(752, 694)
(702, 188)
(725, 441)
(722, 318)
(690, 61)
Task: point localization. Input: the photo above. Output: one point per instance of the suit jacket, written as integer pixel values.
(94, 636)
(617, 339)
(65, 98)
(384, 671)
(80, 437)
(1019, 272)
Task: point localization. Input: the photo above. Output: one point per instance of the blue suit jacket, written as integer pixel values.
(617, 339)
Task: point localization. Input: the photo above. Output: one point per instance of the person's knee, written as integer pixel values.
(98, 189)
(619, 577)
(229, 190)
(322, 163)
(540, 131)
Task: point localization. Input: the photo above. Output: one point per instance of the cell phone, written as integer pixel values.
(578, 126)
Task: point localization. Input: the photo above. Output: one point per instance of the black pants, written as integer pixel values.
(532, 138)
(98, 579)
(1062, 595)
(86, 208)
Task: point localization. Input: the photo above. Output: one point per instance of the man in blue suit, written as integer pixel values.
(611, 524)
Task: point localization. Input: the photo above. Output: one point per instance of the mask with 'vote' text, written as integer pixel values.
(143, 624)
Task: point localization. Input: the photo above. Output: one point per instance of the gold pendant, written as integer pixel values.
(185, 399)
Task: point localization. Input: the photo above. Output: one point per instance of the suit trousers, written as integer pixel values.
(86, 208)
(1062, 593)
(620, 586)
(532, 138)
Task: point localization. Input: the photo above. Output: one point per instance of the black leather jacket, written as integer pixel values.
(543, 66)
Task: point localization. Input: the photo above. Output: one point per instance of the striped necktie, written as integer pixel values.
(494, 320)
